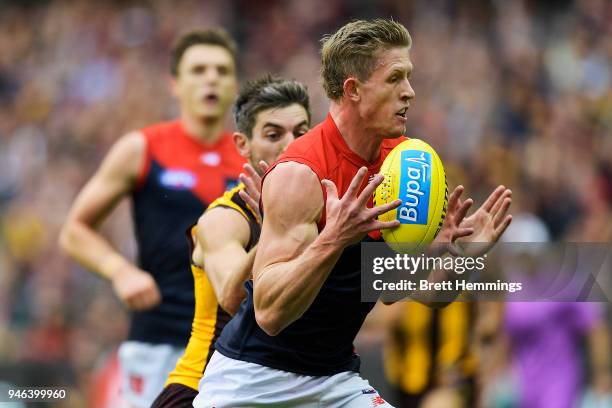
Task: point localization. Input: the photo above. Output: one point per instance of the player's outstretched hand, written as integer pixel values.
(488, 222)
(348, 218)
(136, 288)
(252, 183)
(452, 228)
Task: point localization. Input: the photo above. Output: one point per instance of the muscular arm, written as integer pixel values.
(79, 238)
(222, 236)
(292, 261)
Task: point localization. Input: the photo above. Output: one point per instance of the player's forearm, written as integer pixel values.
(233, 291)
(285, 290)
(90, 249)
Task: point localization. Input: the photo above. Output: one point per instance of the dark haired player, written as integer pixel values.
(172, 171)
(290, 344)
(269, 114)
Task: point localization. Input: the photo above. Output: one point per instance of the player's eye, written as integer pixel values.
(300, 132)
(198, 69)
(223, 70)
(274, 136)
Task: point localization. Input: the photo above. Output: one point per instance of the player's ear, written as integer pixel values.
(242, 143)
(351, 88)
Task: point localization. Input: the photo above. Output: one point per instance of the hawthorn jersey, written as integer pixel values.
(209, 318)
(320, 342)
(178, 180)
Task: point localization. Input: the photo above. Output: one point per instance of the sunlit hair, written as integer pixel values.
(354, 49)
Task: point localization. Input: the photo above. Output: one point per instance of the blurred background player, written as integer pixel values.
(430, 349)
(171, 171)
(547, 352)
(269, 114)
(290, 343)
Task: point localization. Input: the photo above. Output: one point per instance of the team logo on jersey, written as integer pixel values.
(178, 179)
(377, 400)
(368, 391)
(211, 159)
(415, 183)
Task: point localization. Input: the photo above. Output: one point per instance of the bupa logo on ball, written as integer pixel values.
(415, 184)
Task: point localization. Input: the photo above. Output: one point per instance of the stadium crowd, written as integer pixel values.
(518, 93)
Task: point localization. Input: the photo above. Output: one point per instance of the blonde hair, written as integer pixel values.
(354, 50)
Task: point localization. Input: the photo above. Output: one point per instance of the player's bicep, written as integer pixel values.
(114, 178)
(293, 201)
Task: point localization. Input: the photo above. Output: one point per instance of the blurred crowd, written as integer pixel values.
(508, 92)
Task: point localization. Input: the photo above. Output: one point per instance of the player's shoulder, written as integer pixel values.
(299, 199)
(225, 219)
(231, 200)
(161, 129)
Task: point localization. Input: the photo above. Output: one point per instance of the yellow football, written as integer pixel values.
(413, 173)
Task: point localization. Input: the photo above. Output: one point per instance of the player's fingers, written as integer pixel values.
(134, 302)
(248, 183)
(252, 187)
(453, 199)
(488, 204)
(462, 232)
(250, 201)
(380, 225)
(502, 227)
(369, 189)
(264, 166)
(500, 201)
(501, 213)
(151, 299)
(356, 182)
(462, 211)
(128, 302)
(253, 174)
(330, 189)
(381, 209)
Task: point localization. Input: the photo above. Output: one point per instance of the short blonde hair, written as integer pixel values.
(354, 50)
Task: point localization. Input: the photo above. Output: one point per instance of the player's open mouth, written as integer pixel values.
(211, 98)
(402, 113)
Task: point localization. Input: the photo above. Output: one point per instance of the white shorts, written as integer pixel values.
(229, 383)
(144, 370)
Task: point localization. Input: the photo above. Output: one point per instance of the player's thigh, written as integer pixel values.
(349, 390)
(144, 370)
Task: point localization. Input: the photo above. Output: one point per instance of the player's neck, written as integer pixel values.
(203, 130)
(356, 136)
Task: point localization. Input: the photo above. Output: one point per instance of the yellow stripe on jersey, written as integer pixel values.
(209, 318)
(426, 340)
(190, 366)
(226, 200)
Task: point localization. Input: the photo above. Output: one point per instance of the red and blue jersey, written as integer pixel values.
(179, 178)
(320, 342)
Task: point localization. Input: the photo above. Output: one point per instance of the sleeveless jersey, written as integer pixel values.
(180, 177)
(320, 342)
(209, 318)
